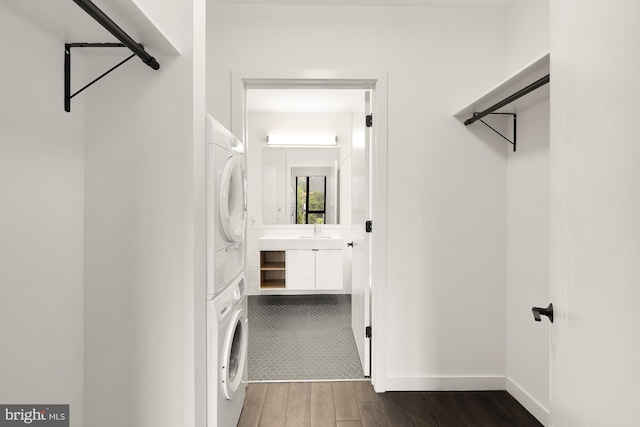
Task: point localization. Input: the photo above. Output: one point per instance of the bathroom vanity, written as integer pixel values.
(301, 262)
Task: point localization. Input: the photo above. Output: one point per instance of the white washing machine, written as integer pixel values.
(226, 207)
(227, 347)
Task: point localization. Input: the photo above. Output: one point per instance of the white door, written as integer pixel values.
(361, 254)
(595, 213)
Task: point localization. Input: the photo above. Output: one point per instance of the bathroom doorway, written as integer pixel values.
(315, 96)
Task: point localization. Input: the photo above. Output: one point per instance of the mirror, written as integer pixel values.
(283, 181)
(301, 185)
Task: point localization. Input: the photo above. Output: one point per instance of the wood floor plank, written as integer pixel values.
(323, 410)
(521, 416)
(252, 409)
(344, 397)
(299, 405)
(355, 404)
(274, 408)
(373, 414)
(365, 392)
(442, 410)
(483, 405)
(473, 409)
(398, 417)
(411, 407)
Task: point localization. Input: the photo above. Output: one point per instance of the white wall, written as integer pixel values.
(137, 221)
(41, 224)
(595, 184)
(446, 305)
(528, 221)
(528, 261)
(528, 32)
(143, 298)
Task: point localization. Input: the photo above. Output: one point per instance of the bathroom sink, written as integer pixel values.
(272, 243)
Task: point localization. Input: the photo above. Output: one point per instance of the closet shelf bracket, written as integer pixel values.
(67, 69)
(126, 41)
(508, 100)
(515, 127)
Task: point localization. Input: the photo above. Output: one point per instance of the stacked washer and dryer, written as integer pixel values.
(226, 290)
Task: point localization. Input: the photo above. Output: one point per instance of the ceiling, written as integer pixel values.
(305, 100)
(418, 3)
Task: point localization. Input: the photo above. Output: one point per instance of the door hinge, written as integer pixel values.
(369, 121)
(367, 332)
(368, 226)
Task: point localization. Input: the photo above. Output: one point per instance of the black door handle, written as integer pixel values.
(537, 311)
(350, 244)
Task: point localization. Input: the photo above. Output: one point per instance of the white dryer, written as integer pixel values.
(226, 207)
(227, 347)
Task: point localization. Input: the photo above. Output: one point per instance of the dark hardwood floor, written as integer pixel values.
(355, 404)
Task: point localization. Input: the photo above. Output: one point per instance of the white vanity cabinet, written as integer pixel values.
(301, 263)
(309, 269)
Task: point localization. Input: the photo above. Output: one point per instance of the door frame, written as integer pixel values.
(241, 80)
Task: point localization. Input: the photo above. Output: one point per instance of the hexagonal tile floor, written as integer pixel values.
(301, 337)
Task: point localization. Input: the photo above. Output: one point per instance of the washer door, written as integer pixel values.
(234, 354)
(232, 200)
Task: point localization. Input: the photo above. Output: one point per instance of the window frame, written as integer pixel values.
(324, 200)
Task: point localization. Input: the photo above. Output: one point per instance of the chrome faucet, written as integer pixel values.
(316, 229)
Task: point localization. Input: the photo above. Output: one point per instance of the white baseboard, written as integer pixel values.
(394, 383)
(530, 404)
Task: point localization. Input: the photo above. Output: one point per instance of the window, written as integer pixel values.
(311, 199)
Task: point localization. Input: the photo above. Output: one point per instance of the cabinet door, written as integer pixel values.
(328, 269)
(301, 269)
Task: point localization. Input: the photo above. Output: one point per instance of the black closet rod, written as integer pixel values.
(111, 26)
(533, 86)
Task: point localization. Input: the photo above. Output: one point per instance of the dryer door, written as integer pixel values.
(232, 204)
(234, 354)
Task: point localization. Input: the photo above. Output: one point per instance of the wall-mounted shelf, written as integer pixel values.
(526, 87)
(65, 21)
(273, 269)
(518, 80)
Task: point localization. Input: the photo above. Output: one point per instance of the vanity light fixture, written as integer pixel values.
(302, 140)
